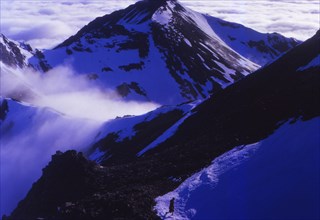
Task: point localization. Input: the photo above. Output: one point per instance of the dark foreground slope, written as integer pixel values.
(243, 113)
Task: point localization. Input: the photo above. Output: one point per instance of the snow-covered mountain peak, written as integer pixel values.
(159, 51)
(156, 51)
(152, 50)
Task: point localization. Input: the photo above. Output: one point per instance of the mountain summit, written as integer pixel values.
(153, 50)
(163, 52)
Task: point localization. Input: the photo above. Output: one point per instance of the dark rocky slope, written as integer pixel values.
(243, 113)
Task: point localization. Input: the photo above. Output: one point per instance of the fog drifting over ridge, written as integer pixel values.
(68, 93)
(60, 110)
(45, 24)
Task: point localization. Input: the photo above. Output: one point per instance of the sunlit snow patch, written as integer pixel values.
(277, 178)
(208, 176)
(172, 130)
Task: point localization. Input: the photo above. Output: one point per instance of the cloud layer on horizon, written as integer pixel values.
(44, 24)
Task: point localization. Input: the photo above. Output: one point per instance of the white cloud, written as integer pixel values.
(302, 16)
(44, 24)
(42, 30)
(69, 93)
(45, 11)
(64, 18)
(31, 137)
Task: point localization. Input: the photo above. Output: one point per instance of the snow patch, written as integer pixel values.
(124, 127)
(227, 74)
(239, 38)
(313, 63)
(201, 21)
(265, 178)
(171, 131)
(162, 16)
(208, 176)
(97, 155)
(187, 42)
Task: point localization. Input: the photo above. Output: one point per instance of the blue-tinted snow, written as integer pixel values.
(172, 130)
(154, 77)
(237, 37)
(163, 16)
(280, 180)
(313, 63)
(124, 127)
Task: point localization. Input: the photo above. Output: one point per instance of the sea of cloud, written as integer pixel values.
(44, 24)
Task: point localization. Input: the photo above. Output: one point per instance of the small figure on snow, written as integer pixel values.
(171, 206)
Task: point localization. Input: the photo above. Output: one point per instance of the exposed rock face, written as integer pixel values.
(125, 89)
(3, 109)
(18, 55)
(13, 54)
(67, 178)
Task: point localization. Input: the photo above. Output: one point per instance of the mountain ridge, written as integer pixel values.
(191, 63)
(123, 34)
(154, 55)
(233, 117)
